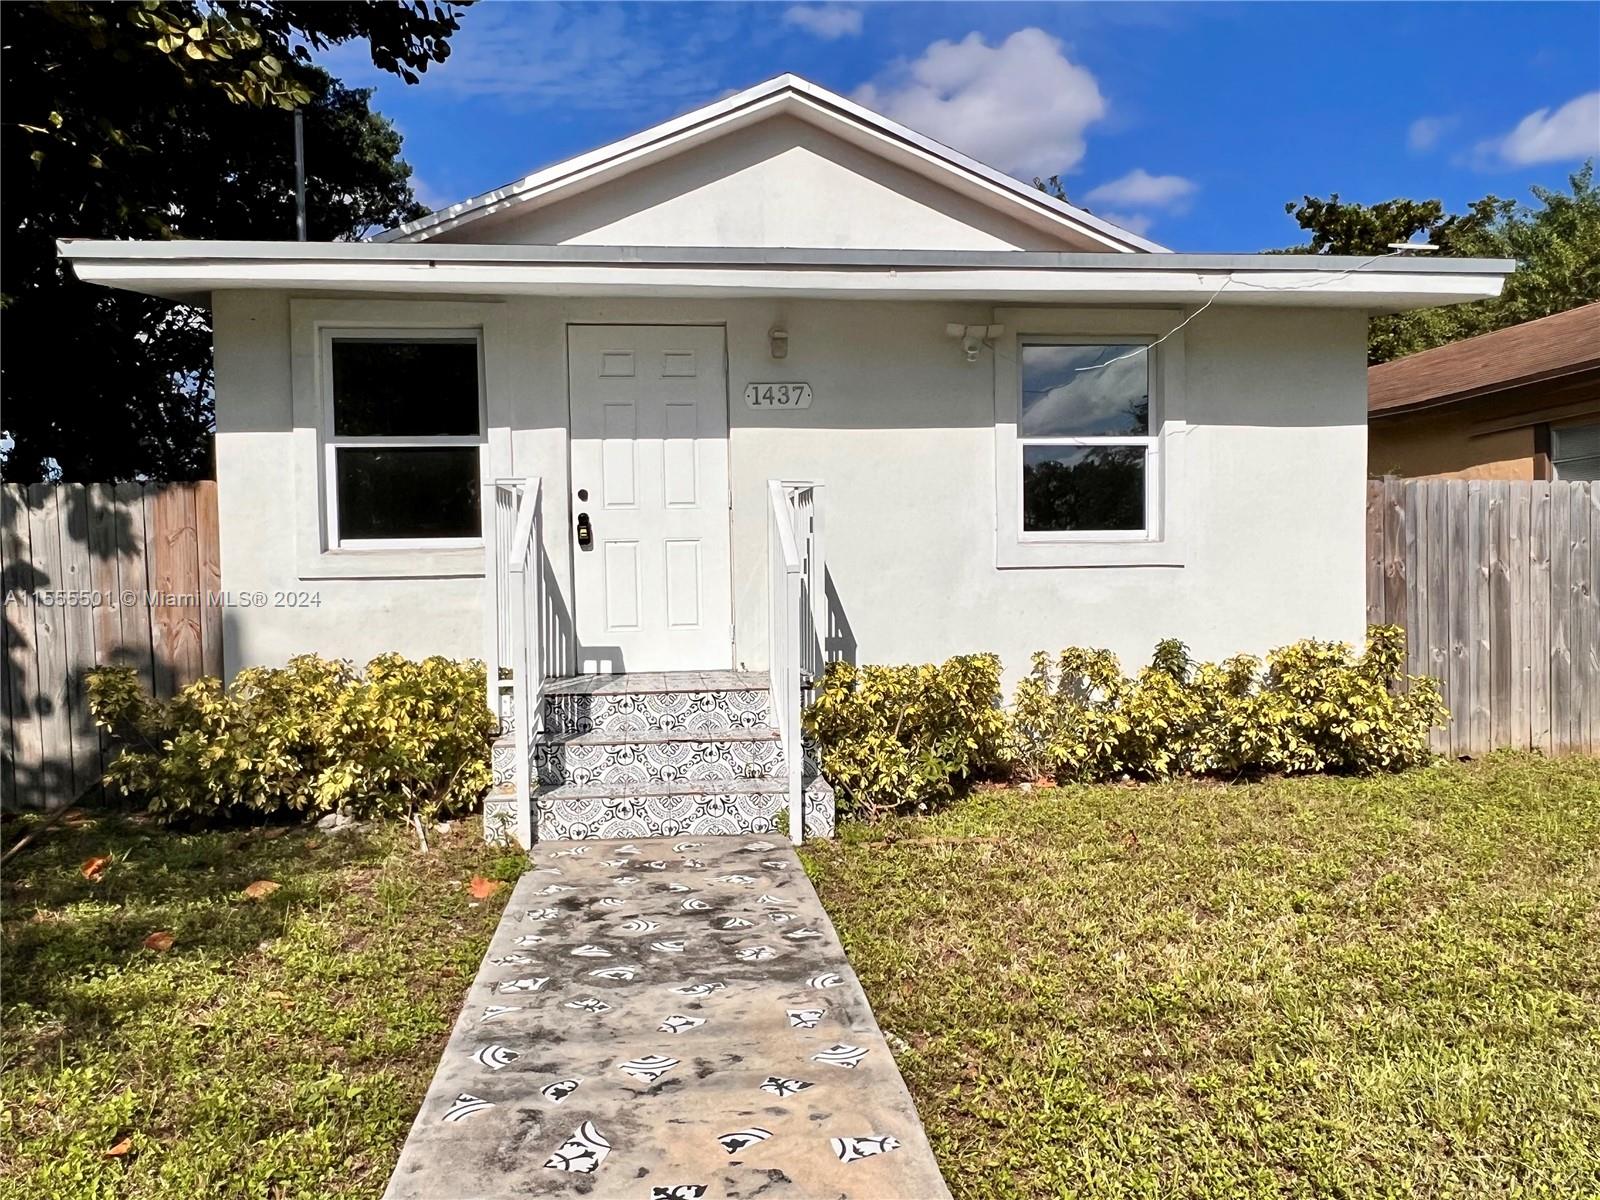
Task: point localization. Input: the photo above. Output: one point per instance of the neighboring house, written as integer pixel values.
(1019, 437)
(1518, 403)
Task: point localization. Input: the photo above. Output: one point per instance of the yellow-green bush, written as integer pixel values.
(315, 736)
(897, 739)
(1313, 706)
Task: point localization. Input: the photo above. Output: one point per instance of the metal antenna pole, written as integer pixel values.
(300, 175)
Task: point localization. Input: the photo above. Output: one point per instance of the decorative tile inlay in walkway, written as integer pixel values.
(680, 1021)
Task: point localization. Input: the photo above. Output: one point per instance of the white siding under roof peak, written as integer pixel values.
(778, 183)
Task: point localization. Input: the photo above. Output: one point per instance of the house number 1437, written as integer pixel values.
(778, 395)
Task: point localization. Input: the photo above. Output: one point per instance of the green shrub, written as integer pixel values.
(1312, 707)
(895, 739)
(315, 736)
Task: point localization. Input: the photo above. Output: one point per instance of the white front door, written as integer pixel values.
(650, 497)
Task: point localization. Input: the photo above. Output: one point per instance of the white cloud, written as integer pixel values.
(1139, 223)
(1140, 189)
(826, 21)
(1021, 105)
(1570, 132)
(646, 61)
(427, 194)
(1424, 133)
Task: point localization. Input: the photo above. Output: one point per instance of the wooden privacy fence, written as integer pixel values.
(1497, 585)
(94, 574)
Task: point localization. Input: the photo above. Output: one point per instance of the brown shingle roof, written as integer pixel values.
(1549, 348)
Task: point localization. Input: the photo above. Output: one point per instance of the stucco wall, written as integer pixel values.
(1443, 445)
(901, 431)
(783, 182)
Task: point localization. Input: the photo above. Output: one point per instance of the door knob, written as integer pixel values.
(585, 531)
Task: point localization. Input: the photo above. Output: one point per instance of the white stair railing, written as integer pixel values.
(514, 590)
(796, 623)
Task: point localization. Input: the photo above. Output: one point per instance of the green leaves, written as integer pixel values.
(1556, 245)
(900, 739)
(314, 736)
(1313, 708)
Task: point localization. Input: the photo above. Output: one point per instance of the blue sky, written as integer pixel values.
(1194, 122)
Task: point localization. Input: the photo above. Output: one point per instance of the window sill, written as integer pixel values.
(416, 563)
(1139, 552)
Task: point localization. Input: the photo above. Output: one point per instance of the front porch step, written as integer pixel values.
(649, 701)
(659, 809)
(617, 759)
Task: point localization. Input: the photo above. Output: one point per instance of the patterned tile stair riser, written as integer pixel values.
(607, 1065)
(712, 758)
(639, 712)
(755, 808)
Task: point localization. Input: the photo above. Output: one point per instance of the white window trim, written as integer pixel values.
(313, 324)
(332, 442)
(1160, 543)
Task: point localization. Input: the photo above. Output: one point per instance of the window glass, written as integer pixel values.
(408, 492)
(1082, 488)
(1085, 391)
(405, 388)
(1575, 452)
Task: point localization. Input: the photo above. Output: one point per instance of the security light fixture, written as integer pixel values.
(974, 337)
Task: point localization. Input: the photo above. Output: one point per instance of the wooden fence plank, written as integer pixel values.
(1539, 658)
(1519, 728)
(1375, 494)
(1459, 582)
(1560, 616)
(77, 623)
(138, 641)
(1478, 533)
(175, 575)
(1497, 543)
(54, 767)
(1438, 596)
(1580, 625)
(23, 738)
(1416, 614)
(1394, 553)
(1592, 742)
(209, 551)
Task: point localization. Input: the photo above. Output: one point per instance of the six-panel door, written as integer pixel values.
(650, 474)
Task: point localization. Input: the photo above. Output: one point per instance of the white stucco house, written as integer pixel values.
(657, 428)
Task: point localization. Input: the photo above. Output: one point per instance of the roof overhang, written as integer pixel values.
(191, 271)
(785, 95)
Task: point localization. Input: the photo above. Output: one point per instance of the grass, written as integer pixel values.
(279, 1048)
(1332, 988)
(1318, 987)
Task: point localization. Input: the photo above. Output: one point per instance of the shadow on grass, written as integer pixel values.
(63, 930)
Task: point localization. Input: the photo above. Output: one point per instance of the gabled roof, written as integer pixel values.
(784, 95)
(1550, 348)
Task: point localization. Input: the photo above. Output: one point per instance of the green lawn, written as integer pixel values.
(1346, 988)
(278, 1049)
(1317, 987)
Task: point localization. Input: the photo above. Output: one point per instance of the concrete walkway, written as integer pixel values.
(666, 1018)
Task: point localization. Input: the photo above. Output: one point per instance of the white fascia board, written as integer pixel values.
(786, 93)
(1390, 292)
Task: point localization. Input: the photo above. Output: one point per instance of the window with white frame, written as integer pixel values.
(1575, 452)
(1085, 432)
(402, 436)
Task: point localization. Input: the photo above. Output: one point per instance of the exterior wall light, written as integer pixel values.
(974, 337)
(778, 341)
